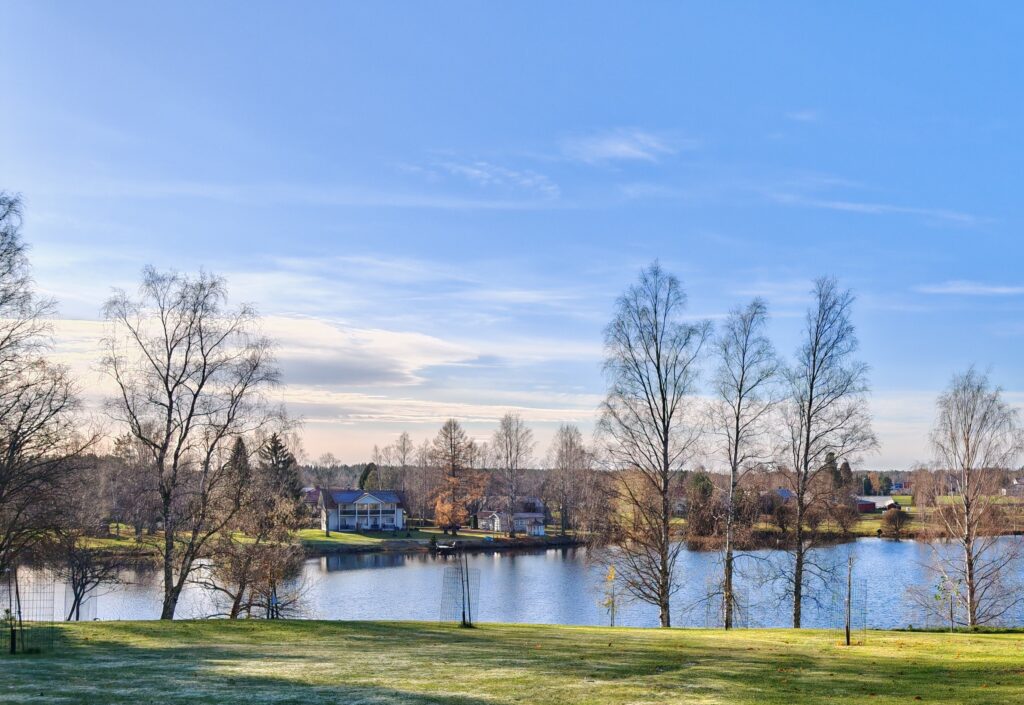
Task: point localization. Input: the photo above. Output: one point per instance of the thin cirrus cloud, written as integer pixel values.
(803, 115)
(620, 145)
(488, 175)
(962, 287)
(872, 208)
(319, 405)
(308, 194)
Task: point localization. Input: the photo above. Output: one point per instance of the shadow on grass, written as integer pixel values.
(419, 663)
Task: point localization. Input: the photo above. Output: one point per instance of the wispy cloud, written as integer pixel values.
(321, 405)
(338, 195)
(620, 145)
(874, 208)
(487, 174)
(962, 287)
(803, 115)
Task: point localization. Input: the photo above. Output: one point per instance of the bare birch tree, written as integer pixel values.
(512, 448)
(651, 364)
(977, 434)
(826, 415)
(421, 487)
(746, 393)
(190, 374)
(40, 441)
(402, 452)
(570, 463)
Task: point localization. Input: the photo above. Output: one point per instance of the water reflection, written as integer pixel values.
(559, 586)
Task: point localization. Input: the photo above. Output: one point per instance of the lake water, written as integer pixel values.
(560, 586)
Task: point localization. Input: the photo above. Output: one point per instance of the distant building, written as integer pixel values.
(311, 503)
(769, 500)
(359, 510)
(529, 519)
(874, 503)
(784, 494)
(1014, 490)
(865, 506)
(529, 523)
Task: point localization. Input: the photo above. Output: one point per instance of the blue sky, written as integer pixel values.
(435, 204)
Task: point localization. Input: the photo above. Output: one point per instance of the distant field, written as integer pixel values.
(371, 663)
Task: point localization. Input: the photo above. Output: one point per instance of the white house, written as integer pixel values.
(529, 523)
(359, 510)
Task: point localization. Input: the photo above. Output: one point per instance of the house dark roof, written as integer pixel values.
(332, 498)
(311, 495)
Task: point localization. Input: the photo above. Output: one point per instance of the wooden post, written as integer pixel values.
(469, 602)
(467, 613)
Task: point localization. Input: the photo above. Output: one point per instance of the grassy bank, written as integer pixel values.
(314, 540)
(385, 663)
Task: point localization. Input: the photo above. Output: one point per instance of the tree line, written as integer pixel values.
(448, 479)
(201, 458)
(791, 425)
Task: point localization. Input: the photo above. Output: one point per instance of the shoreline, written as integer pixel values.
(473, 544)
(335, 545)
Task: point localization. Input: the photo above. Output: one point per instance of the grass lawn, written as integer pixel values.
(315, 538)
(384, 663)
(125, 542)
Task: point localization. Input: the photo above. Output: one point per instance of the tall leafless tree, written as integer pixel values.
(422, 484)
(826, 415)
(570, 463)
(40, 441)
(977, 434)
(512, 448)
(746, 392)
(651, 363)
(191, 374)
(402, 454)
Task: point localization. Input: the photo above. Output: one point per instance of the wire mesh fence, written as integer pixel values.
(849, 610)
(460, 594)
(27, 608)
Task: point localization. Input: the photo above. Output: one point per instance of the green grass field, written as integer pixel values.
(315, 538)
(418, 663)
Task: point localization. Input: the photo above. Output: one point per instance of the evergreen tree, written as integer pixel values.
(238, 462)
(885, 485)
(369, 472)
(867, 486)
(845, 474)
(283, 469)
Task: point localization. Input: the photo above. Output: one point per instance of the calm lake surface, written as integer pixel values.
(559, 586)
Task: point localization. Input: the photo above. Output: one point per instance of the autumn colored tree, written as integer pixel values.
(460, 484)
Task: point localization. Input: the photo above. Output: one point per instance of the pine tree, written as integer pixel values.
(367, 475)
(238, 462)
(283, 469)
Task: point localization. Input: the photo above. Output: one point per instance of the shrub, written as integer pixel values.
(894, 520)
